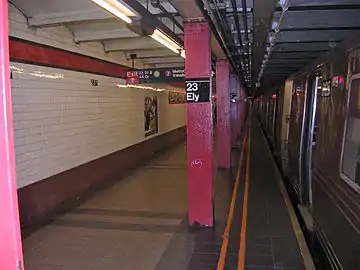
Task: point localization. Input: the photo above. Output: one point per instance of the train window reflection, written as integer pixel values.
(351, 146)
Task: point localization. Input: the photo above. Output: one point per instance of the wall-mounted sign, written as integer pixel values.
(326, 88)
(335, 81)
(160, 75)
(197, 90)
(94, 82)
(233, 97)
(176, 97)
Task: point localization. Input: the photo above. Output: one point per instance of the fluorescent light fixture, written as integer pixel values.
(116, 8)
(182, 54)
(166, 41)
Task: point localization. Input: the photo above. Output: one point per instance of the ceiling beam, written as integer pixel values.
(287, 59)
(54, 19)
(283, 65)
(263, 15)
(88, 35)
(151, 21)
(319, 7)
(160, 60)
(151, 53)
(131, 44)
(303, 52)
(306, 42)
(162, 15)
(335, 28)
(169, 65)
(298, 51)
(276, 70)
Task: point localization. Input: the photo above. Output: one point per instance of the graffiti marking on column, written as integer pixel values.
(197, 163)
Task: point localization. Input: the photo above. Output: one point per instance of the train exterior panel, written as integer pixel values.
(317, 131)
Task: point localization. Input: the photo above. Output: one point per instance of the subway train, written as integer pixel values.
(312, 123)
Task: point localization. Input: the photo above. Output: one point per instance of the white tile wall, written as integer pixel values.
(62, 121)
(60, 37)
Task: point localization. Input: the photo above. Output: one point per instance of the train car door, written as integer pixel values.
(286, 110)
(269, 116)
(295, 133)
(266, 114)
(283, 121)
(273, 124)
(308, 141)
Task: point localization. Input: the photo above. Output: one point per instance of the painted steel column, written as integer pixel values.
(234, 113)
(223, 113)
(199, 127)
(241, 106)
(10, 245)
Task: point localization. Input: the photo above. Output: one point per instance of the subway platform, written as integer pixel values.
(140, 222)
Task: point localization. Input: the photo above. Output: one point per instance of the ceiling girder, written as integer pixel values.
(86, 36)
(55, 19)
(263, 14)
(306, 29)
(157, 60)
(130, 44)
(151, 53)
(168, 65)
(151, 21)
(320, 7)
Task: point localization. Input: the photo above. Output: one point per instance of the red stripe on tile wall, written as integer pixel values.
(39, 54)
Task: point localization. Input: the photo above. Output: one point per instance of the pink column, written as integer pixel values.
(223, 113)
(241, 105)
(234, 122)
(10, 245)
(199, 123)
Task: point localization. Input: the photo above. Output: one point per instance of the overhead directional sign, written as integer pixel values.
(160, 75)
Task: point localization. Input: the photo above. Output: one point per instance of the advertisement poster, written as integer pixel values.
(176, 97)
(151, 115)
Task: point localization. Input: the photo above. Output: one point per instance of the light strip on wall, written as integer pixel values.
(164, 40)
(116, 8)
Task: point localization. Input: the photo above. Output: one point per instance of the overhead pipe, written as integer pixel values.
(167, 14)
(220, 39)
(243, 3)
(150, 21)
(237, 23)
(223, 22)
(272, 39)
(247, 42)
(285, 6)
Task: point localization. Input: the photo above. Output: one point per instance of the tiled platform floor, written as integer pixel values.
(140, 223)
(127, 226)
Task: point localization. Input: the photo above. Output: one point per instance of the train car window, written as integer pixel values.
(351, 146)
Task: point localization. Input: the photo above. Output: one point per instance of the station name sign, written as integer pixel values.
(160, 75)
(197, 90)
